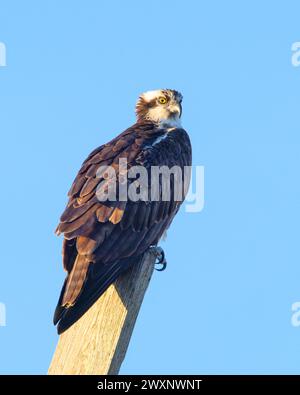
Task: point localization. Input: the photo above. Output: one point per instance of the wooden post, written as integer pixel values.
(97, 343)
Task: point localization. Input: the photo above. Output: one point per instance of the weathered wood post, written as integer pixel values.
(97, 343)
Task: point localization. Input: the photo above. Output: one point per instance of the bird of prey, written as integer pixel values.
(103, 238)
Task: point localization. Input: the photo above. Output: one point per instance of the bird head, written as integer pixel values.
(161, 106)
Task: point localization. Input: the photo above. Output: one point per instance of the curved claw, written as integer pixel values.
(160, 257)
(164, 265)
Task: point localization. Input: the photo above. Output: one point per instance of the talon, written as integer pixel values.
(164, 265)
(160, 257)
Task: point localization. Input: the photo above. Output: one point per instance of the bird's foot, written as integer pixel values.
(159, 254)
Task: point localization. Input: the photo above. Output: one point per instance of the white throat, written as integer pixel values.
(162, 117)
(170, 123)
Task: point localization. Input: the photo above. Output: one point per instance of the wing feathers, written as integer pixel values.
(102, 237)
(103, 213)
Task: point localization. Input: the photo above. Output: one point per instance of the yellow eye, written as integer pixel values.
(162, 100)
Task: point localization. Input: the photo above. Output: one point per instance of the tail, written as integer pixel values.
(72, 286)
(74, 301)
(75, 280)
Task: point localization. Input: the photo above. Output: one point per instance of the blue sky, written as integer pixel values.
(74, 71)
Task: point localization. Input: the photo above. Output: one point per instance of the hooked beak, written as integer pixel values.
(175, 110)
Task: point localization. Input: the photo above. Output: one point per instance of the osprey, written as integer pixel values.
(103, 238)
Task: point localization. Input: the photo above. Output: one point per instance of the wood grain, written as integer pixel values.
(97, 343)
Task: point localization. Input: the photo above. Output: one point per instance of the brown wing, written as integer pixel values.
(103, 233)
